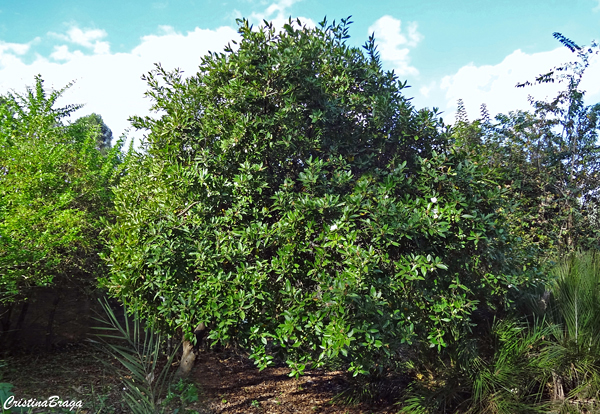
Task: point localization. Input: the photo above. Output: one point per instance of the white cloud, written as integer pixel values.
(62, 52)
(394, 45)
(274, 11)
(494, 85)
(425, 90)
(173, 49)
(278, 14)
(85, 37)
(88, 38)
(109, 83)
(16, 48)
(591, 81)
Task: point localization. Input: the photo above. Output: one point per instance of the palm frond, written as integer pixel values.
(138, 353)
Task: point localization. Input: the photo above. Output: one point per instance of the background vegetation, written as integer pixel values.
(291, 201)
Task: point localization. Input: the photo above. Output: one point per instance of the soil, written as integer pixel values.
(228, 382)
(233, 384)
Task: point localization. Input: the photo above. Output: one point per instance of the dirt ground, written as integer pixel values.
(228, 383)
(234, 385)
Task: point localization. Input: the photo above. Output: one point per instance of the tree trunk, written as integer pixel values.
(189, 353)
(187, 360)
(14, 334)
(558, 392)
(50, 325)
(7, 311)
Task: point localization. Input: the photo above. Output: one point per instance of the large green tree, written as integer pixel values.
(54, 191)
(95, 122)
(290, 196)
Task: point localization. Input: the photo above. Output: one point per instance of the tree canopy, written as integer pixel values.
(54, 190)
(548, 159)
(103, 132)
(291, 196)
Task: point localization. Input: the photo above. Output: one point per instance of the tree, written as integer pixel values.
(291, 198)
(551, 160)
(54, 192)
(94, 121)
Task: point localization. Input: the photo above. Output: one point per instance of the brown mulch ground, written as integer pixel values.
(234, 385)
(228, 383)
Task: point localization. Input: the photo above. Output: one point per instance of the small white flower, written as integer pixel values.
(333, 228)
(433, 200)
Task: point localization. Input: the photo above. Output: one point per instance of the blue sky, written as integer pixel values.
(474, 50)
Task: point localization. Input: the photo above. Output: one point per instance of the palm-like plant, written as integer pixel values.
(138, 351)
(505, 376)
(575, 317)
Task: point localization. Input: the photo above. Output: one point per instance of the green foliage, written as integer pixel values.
(550, 160)
(574, 310)
(547, 161)
(185, 392)
(54, 189)
(5, 393)
(506, 372)
(95, 122)
(549, 364)
(291, 196)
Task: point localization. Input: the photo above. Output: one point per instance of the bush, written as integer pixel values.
(293, 199)
(54, 191)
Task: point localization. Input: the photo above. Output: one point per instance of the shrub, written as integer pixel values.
(54, 191)
(291, 196)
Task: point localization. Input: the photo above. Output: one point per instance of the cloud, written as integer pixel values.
(62, 52)
(494, 85)
(85, 37)
(394, 45)
(16, 48)
(11, 53)
(108, 83)
(425, 90)
(278, 14)
(88, 38)
(274, 11)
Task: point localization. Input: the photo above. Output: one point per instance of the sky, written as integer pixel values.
(474, 50)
